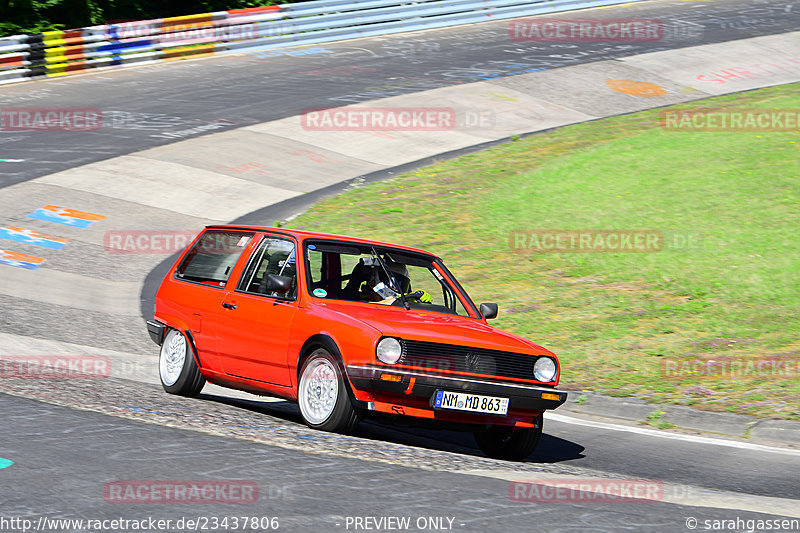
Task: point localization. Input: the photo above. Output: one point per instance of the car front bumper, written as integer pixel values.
(420, 384)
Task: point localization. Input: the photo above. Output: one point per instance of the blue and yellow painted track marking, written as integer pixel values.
(66, 216)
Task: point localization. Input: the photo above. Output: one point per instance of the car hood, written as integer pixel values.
(415, 324)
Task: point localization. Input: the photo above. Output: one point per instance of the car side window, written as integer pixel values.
(213, 256)
(274, 256)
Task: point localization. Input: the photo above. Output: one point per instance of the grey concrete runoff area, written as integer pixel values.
(222, 139)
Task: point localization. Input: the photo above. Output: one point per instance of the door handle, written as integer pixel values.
(226, 305)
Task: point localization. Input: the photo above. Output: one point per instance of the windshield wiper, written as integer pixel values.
(391, 277)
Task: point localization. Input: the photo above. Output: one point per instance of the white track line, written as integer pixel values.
(667, 435)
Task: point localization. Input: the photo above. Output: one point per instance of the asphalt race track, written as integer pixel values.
(71, 440)
(62, 472)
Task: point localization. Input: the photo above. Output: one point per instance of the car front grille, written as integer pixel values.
(456, 358)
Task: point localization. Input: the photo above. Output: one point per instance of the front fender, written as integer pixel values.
(324, 340)
(349, 339)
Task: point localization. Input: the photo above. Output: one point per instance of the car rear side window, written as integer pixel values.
(213, 257)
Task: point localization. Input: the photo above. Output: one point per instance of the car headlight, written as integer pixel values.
(389, 350)
(545, 369)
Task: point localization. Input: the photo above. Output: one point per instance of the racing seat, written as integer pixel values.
(360, 275)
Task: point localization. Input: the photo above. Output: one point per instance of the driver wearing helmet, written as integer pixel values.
(379, 288)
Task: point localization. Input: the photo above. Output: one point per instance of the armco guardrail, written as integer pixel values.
(58, 53)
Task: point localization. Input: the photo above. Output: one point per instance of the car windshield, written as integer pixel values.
(364, 273)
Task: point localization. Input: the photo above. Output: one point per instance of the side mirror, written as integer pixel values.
(488, 310)
(279, 284)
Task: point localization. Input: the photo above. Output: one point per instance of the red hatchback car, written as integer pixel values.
(348, 327)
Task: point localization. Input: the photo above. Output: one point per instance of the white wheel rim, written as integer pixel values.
(173, 357)
(319, 390)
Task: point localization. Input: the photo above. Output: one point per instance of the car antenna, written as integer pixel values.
(391, 276)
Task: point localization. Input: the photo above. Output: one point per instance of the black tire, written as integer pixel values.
(323, 396)
(177, 368)
(508, 442)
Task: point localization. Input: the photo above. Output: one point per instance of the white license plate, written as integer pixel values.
(474, 403)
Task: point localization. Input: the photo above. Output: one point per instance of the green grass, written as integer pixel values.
(731, 295)
(655, 419)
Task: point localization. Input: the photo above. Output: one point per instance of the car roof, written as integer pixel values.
(304, 235)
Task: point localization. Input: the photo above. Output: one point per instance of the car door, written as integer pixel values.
(253, 330)
(203, 275)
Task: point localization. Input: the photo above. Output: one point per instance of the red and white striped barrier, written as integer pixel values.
(57, 53)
